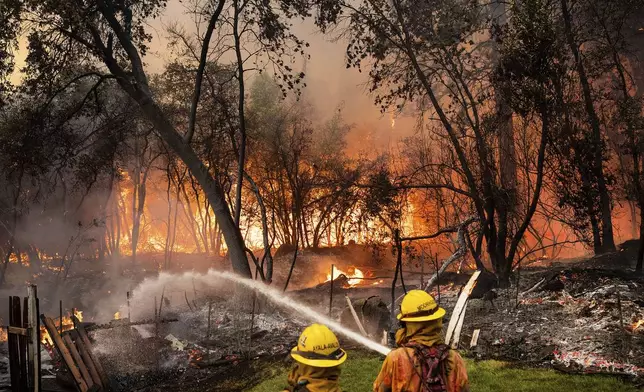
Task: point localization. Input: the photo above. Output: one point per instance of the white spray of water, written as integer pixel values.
(182, 284)
(282, 299)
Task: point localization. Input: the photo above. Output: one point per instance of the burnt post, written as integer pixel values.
(331, 290)
(422, 268)
(128, 307)
(60, 312)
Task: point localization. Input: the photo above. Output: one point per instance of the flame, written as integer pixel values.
(117, 316)
(354, 274)
(638, 324)
(67, 325)
(3, 335)
(377, 283)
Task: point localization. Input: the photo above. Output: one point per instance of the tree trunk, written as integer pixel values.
(505, 138)
(211, 188)
(242, 117)
(608, 242)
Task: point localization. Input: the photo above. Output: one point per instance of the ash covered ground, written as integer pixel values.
(583, 320)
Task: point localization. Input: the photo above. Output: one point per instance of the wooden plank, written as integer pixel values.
(88, 345)
(79, 361)
(33, 347)
(19, 353)
(17, 331)
(14, 358)
(459, 326)
(87, 358)
(475, 338)
(38, 351)
(23, 340)
(64, 353)
(460, 304)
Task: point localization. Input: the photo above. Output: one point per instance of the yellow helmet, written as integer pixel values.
(419, 306)
(318, 346)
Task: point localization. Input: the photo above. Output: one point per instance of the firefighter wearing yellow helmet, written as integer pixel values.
(318, 356)
(422, 361)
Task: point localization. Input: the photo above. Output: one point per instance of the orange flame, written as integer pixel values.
(354, 274)
(68, 324)
(638, 324)
(3, 335)
(117, 316)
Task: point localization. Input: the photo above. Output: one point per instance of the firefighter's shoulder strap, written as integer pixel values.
(433, 361)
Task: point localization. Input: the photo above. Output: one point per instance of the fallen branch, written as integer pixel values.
(460, 252)
(534, 288)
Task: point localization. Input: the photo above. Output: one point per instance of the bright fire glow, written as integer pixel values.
(638, 325)
(355, 275)
(67, 325)
(3, 335)
(117, 316)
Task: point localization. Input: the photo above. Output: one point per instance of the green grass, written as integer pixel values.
(361, 369)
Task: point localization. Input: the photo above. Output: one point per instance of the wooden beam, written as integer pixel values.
(475, 338)
(64, 353)
(87, 358)
(79, 361)
(18, 331)
(88, 345)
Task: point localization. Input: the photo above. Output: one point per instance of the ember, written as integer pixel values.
(3, 335)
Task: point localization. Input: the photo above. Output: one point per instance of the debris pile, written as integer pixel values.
(586, 321)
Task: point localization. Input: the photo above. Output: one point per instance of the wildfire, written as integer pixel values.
(355, 275)
(67, 325)
(377, 283)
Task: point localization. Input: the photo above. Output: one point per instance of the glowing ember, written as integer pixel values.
(3, 335)
(67, 325)
(117, 316)
(639, 324)
(377, 283)
(355, 275)
(194, 356)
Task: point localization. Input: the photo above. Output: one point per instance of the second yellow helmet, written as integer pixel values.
(318, 346)
(417, 306)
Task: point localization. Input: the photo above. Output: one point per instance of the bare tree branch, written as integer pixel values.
(202, 66)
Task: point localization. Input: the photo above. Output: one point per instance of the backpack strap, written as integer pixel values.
(432, 363)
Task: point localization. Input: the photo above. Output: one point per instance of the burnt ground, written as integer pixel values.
(575, 325)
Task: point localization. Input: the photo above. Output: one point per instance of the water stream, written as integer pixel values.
(281, 298)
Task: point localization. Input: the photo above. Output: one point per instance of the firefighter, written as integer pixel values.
(318, 358)
(422, 363)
